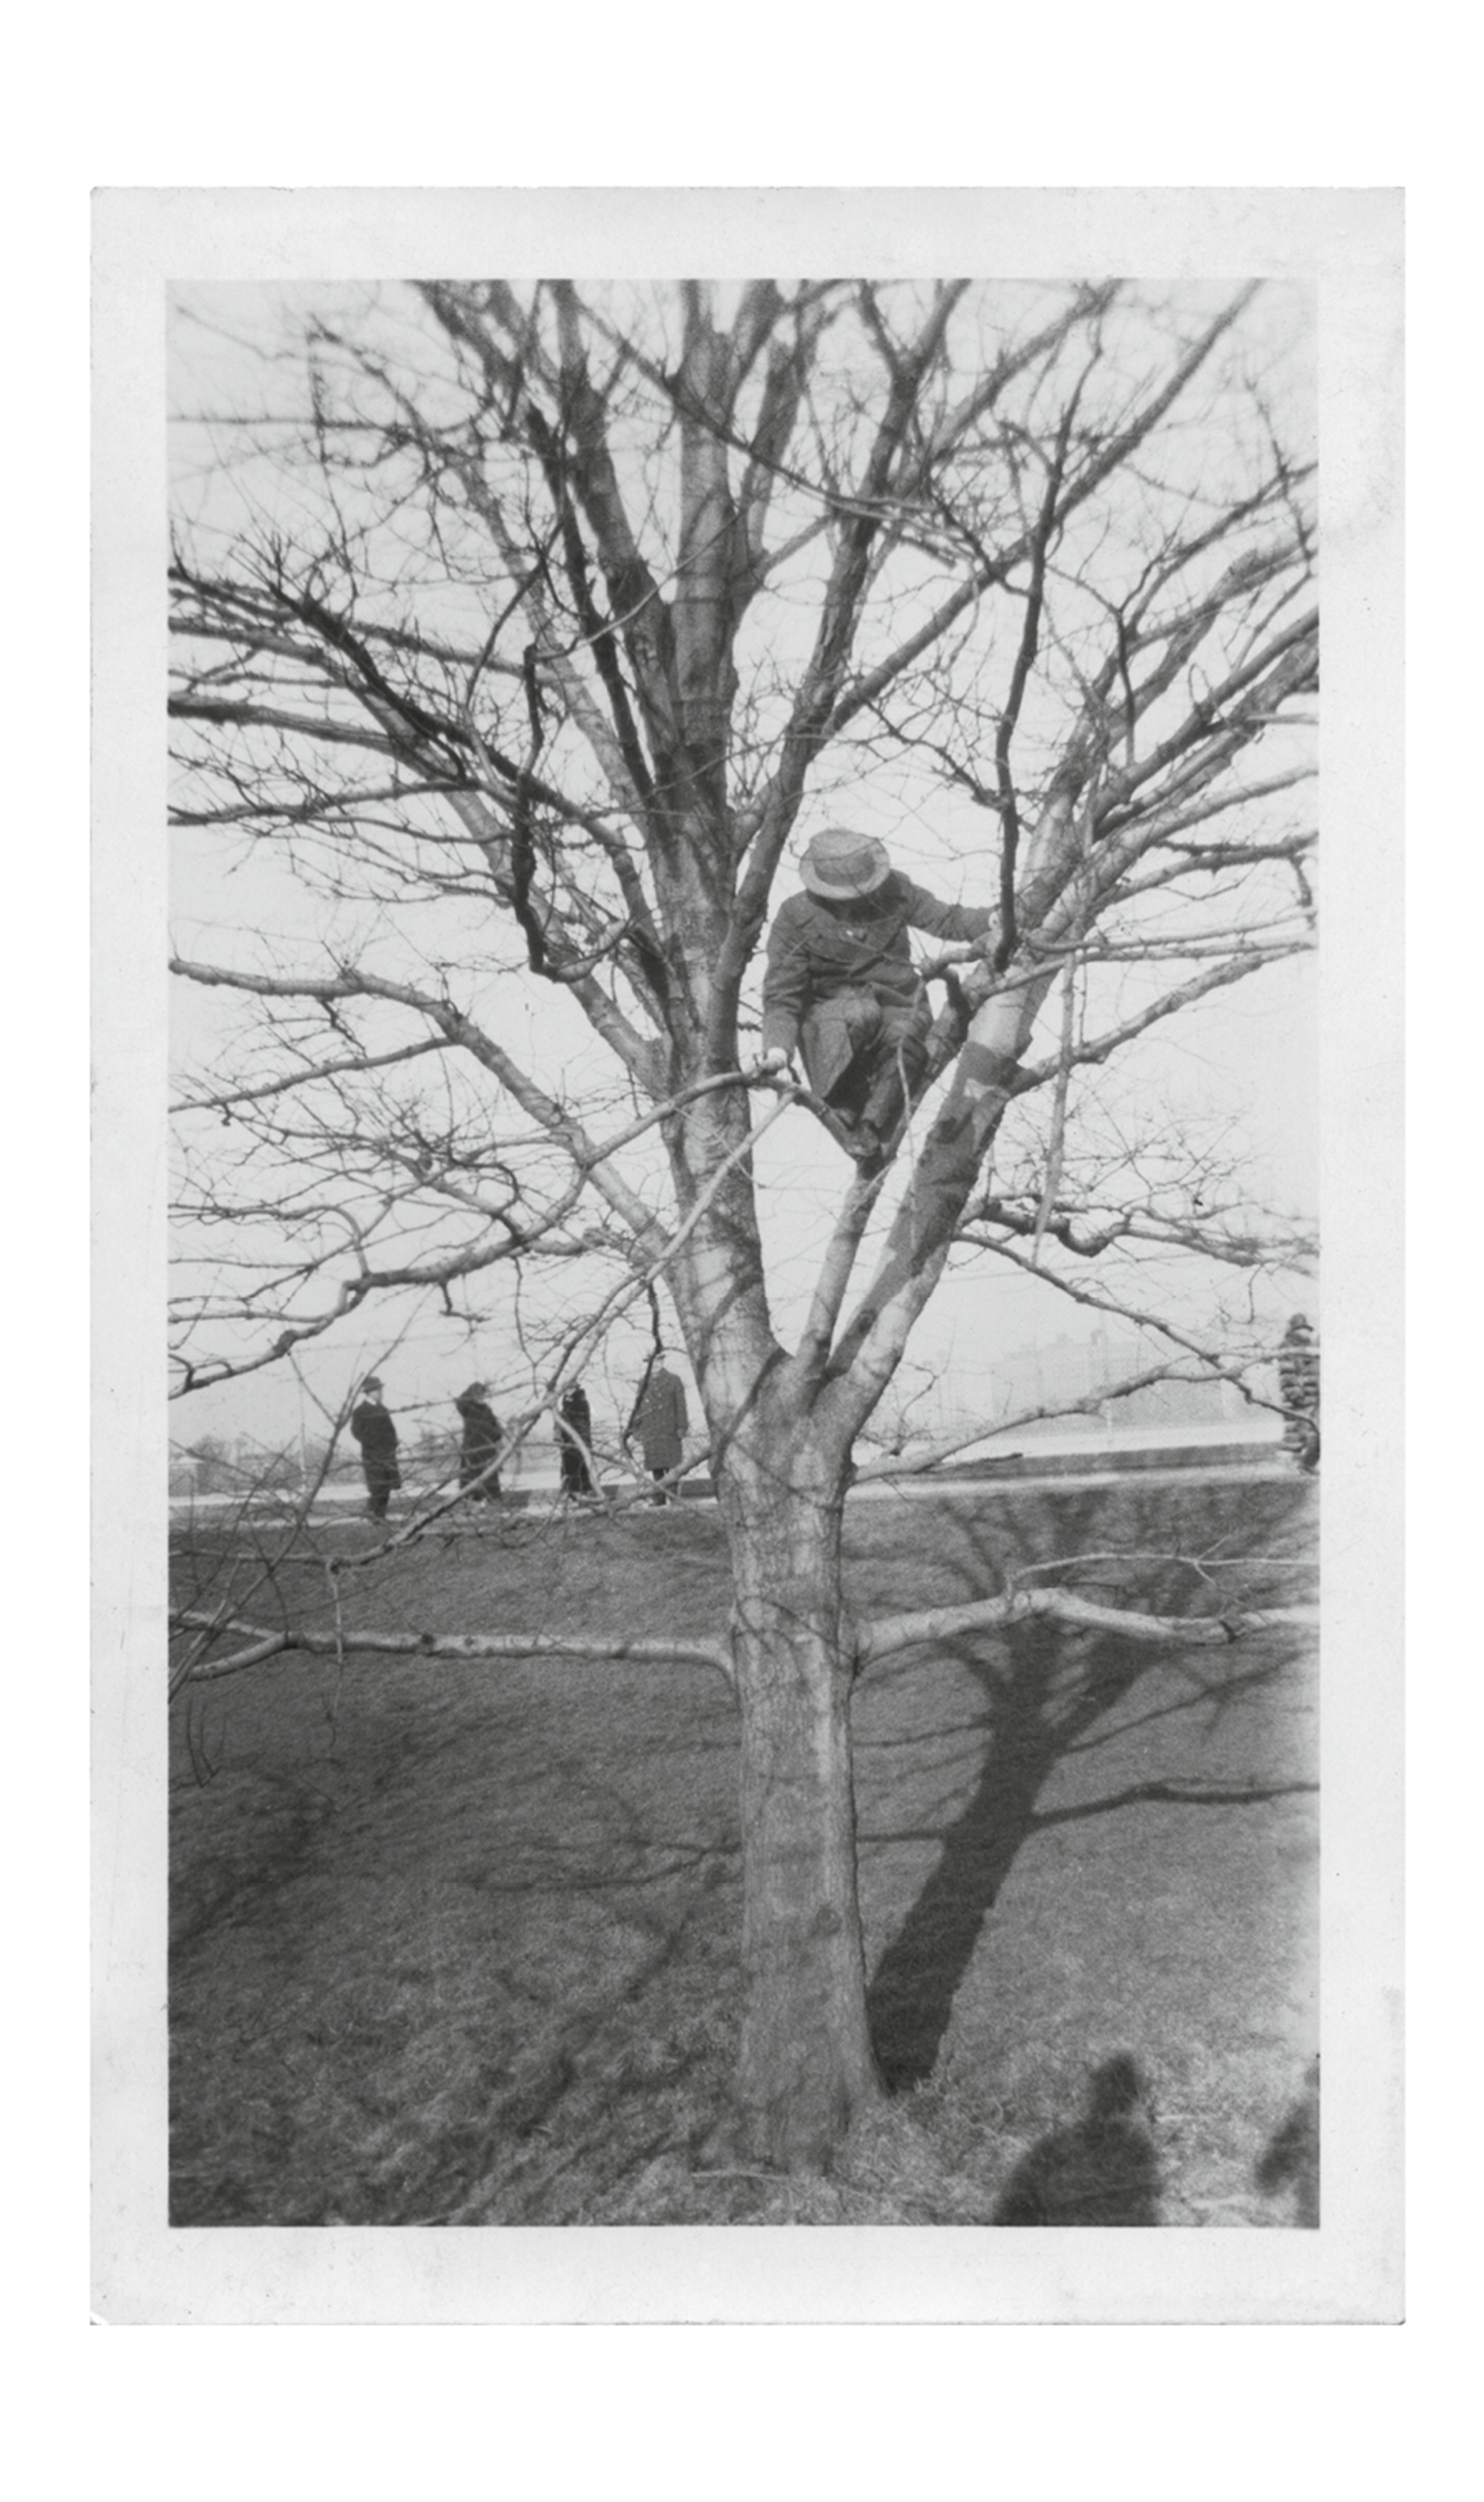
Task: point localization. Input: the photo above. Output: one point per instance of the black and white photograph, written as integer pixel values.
(751, 1059)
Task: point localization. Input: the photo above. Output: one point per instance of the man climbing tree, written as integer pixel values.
(841, 985)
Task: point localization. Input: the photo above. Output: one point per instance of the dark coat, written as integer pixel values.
(376, 1434)
(576, 1413)
(574, 1432)
(816, 951)
(483, 1432)
(1299, 1371)
(483, 1435)
(661, 1419)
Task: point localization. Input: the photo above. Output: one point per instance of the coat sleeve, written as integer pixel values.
(951, 921)
(785, 984)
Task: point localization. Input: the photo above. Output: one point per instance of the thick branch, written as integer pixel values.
(263, 1643)
(892, 1634)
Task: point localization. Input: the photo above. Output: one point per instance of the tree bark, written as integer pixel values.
(805, 2066)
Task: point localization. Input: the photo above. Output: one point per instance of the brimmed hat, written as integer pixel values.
(840, 864)
(476, 1389)
(373, 1381)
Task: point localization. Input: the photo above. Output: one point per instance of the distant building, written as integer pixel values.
(1067, 1375)
(1171, 1403)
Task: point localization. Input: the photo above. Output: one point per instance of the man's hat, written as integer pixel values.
(840, 866)
(476, 1389)
(372, 1381)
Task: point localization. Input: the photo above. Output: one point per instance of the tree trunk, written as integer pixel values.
(806, 2065)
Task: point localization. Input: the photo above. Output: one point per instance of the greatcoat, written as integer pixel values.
(840, 977)
(662, 1420)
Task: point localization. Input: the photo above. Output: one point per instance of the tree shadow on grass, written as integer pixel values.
(1044, 1692)
(912, 1992)
(1102, 2170)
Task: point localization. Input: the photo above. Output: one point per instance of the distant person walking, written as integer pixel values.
(574, 1432)
(1299, 1390)
(661, 1421)
(480, 1448)
(376, 1434)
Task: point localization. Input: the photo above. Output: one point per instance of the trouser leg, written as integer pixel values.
(838, 1035)
(864, 1057)
(896, 1063)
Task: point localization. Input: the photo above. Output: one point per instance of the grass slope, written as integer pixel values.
(459, 1944)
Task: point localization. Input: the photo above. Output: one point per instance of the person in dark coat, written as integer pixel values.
(376, 1434)
(1299, 1390)
(661, 1421)
(480, 1448)
(574, 1432)
(841, 988)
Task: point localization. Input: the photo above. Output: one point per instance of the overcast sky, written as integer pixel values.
(1246, 1058)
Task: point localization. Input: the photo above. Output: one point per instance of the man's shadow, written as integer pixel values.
(1102, 2170)
(1290, 2160)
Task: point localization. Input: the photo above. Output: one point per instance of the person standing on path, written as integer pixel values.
(376, 1434)
(841, 987)
(480, 1449)
(1299, 1390)
(574, 1432)
(661, 1421)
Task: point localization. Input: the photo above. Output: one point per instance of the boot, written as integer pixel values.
(866, 1147)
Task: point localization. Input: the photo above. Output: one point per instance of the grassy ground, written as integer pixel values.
(459, 1944)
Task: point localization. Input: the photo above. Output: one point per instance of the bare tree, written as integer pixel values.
(522, 623)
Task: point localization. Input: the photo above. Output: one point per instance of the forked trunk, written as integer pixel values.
(806, 2065)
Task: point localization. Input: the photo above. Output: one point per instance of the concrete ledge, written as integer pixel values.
(1118, 1462)
(346, 1506)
